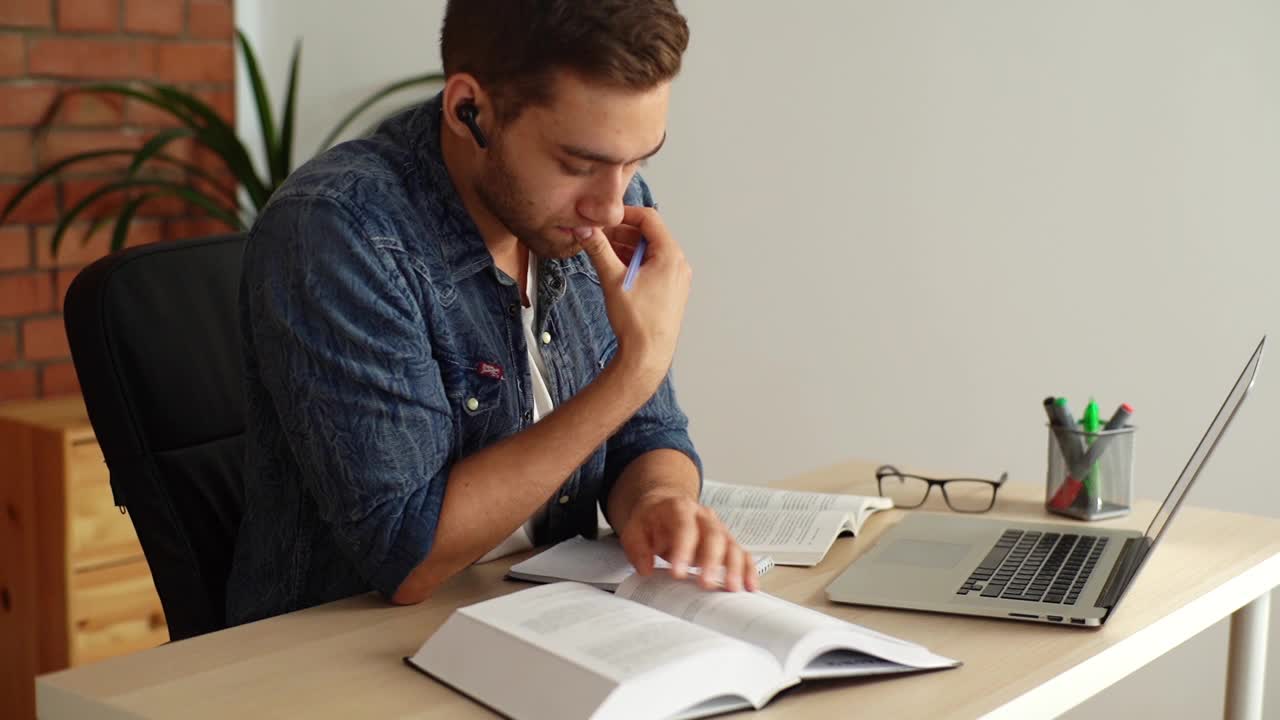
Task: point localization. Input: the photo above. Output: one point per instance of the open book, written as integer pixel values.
(793, 527)
(658, 648)
(601, 563)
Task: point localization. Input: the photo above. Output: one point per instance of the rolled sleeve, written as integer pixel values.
(659, 425)
(347, 364)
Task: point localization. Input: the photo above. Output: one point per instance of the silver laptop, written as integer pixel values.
(1042, 572)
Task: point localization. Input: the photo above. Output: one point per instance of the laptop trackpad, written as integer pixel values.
(924, 553)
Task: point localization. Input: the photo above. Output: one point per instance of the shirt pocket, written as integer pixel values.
(477, 402)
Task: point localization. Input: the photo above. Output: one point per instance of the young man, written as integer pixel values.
(442, 364)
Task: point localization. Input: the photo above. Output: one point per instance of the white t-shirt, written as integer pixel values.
(521, 539)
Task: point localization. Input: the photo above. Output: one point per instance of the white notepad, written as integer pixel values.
(601, 563)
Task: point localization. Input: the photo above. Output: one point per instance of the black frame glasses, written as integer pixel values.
(893, 474)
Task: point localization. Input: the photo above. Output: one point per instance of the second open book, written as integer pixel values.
(658, 648)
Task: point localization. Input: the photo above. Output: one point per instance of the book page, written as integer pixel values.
(723, 495)
(789, 531)
(783, 628)
(612, 636)
(571, 650)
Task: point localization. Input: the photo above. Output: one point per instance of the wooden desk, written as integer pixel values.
(344, 659)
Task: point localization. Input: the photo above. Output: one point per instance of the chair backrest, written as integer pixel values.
(154, 334)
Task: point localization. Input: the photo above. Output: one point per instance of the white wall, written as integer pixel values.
(911, 221)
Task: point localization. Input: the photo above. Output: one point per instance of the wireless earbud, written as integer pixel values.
(467, 114)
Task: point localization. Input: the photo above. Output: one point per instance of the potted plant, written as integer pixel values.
(153, 173)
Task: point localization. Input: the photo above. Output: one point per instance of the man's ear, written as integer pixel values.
(467, 108)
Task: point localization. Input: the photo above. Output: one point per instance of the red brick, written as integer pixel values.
(8, 342)
(62, 281)
(75, 251)
(15, 248)
(25, 294)
(89, 15)
(17, 384)
(196, 228)
(25, 105)
(196, 63)
(59, 379)
(146, 115)
(82, 58)
(13, 55)
(146, 59)
(82, 109)
(60, 143)
(210, 20)
(15, 152)
(158, 17)
(26, 13)
(40, 206)
(223, 102)
(74, 191)
(44, 339)
(165, 206)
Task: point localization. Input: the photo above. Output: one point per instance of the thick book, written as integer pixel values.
(657, 648)
(791, 526)
(601, 563)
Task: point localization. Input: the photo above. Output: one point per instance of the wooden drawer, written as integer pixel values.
(114, 610)
(97, 532)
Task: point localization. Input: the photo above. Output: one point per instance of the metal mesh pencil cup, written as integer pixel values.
(1090, 475)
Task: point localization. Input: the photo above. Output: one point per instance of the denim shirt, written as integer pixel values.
(381, 345)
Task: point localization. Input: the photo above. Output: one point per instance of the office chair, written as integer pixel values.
(154, 335)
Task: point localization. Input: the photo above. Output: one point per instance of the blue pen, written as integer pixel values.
(634, 268)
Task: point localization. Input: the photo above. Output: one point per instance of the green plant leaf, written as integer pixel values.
(155, 145)
(286, 124)
(377, 95)
(263, 101)
(46, 173)
(161, 187)
(120, 235)
(220, 137)
(154, 100)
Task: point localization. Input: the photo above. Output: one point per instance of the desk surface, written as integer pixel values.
(344, 659)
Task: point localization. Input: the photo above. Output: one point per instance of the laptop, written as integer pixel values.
(1040, 572)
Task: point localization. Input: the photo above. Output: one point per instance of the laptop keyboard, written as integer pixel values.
(1040, 567)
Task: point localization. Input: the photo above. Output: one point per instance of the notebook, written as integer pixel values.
(601, 563)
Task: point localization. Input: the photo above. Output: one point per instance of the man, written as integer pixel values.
(442, 364)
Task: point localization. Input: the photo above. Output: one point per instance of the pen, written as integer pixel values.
(634, 268)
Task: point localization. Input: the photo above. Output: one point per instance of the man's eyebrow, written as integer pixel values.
(593, 156)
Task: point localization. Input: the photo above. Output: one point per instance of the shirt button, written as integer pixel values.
(473, 404)
(528, 416)
(513, 309)
(564, 499)
(546, 338)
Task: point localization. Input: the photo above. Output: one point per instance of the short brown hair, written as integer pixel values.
(513, 46)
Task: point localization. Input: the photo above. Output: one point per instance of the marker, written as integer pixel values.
(1120, 418)
(1091, 423)
(634, 268)
(1060, 421)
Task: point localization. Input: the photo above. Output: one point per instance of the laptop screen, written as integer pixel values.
(1206, 446)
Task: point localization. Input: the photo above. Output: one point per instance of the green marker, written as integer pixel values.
(1091, 424)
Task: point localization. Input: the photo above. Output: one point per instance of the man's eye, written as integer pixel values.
(575, 171)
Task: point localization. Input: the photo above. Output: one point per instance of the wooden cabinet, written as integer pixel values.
(74, 585)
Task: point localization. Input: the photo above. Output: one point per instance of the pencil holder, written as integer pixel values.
(1090, 474)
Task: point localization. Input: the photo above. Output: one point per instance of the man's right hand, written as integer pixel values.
(646, 319)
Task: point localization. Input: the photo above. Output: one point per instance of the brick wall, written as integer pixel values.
(47, 45)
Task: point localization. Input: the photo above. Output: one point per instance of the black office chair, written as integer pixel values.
(154, 334)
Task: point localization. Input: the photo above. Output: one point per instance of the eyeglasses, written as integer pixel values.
(967, 495)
